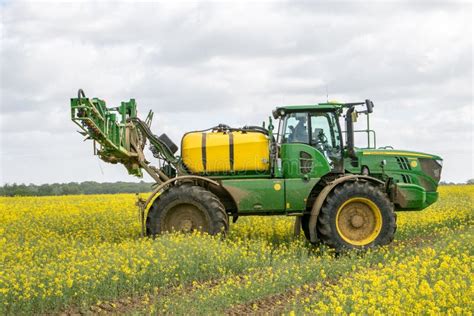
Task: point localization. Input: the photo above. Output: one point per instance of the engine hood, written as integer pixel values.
(396, 152)
(410, 167)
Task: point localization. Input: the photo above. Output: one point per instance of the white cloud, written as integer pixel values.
(200, 64)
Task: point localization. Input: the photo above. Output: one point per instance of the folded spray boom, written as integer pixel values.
(121, 136)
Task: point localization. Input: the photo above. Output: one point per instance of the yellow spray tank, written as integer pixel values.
(226, 150)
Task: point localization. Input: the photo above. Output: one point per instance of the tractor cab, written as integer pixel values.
(310, 131)
(315, 131)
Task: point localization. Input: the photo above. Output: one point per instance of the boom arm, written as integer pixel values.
(121, 135)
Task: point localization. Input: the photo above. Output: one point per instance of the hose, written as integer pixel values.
(80, 93)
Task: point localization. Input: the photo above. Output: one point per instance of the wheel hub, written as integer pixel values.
(186, 225)
(358, 221)
(185, 218)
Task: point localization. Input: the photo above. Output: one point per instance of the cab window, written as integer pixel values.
(295, 129)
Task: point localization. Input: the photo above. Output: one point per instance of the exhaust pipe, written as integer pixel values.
(350, 132)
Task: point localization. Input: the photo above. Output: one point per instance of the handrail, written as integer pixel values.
(369, 132)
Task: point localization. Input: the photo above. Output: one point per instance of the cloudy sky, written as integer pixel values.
(197, 64)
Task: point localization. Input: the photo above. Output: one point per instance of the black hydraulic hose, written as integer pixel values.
(167, 154)
(80, 93)
(145, 129)
(245, 129)
(227, 128)
(255, 129)
(80, 111)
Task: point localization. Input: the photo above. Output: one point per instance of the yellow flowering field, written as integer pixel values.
(84, 254)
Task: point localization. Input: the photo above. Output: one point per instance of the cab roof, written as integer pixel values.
(328, 106)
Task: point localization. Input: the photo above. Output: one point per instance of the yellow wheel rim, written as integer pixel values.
(358, 221)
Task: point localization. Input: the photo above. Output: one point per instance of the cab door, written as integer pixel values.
(299, 159)
(325, 136)
(302, 164)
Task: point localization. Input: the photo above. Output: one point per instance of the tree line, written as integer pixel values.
(88, 187)
(92, 187)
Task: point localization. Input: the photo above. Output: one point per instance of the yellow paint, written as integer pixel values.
(147, 207)
(396, 153)
(288, 205)
(277, 186)
(251, 152)
(191, 151)
(378, 222)
(413, 163)
(217, 152)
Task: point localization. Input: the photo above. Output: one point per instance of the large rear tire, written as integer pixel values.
(356, 215)
(186, 209)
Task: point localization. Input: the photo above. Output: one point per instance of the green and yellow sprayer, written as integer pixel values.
(341, 195)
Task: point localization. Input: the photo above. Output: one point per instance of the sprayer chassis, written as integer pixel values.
(345, 196)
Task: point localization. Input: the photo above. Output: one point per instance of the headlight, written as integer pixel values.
(440, 162)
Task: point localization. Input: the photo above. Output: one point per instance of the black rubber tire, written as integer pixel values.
(212, 209)
(305, 226)
(326, 226)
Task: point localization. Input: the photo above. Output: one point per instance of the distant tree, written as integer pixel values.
(88, 187)
(470, 181)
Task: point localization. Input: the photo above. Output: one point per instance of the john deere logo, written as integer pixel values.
(413, 164)
(277, 186)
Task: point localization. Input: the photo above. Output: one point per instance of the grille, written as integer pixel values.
(403, 163)
(406, 178)
(306, 163)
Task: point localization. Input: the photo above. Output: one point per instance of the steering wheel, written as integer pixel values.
(322, 143)
(322, 138)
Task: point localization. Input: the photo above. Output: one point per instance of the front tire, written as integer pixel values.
(305, 226)
(186, 209)
(356, 215)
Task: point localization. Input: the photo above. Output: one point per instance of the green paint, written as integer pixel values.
(291, 161)
(297, 192)
(414, 196)
(257, 195)
(405, 170)
(101, 124)
(310, 107)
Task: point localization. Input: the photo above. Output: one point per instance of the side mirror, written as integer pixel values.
(370, 106)
(275, 114)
